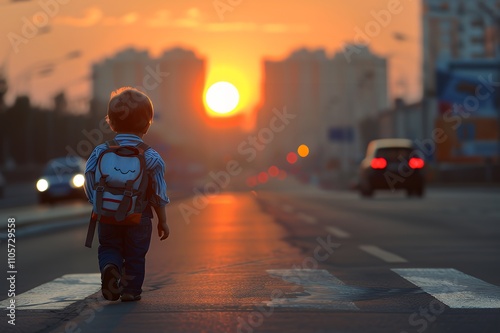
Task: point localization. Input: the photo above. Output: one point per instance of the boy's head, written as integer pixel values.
(129, 111)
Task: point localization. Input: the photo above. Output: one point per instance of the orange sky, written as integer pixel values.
(234, 43)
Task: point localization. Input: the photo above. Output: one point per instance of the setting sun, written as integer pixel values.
(222, 97)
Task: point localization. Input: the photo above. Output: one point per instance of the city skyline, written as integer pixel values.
(234, 44)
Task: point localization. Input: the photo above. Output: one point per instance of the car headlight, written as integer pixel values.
(78, 180)
(42, 185)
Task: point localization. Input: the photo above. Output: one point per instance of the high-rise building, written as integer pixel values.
(359, 91)
(330, 97)
(461, 48)
(174, 82)
(458, 29)
(300, 85)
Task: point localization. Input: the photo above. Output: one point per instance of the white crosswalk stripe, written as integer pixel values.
(383, 254)
(57, 294)
(454, 288)
(337, 232)
(307, 218)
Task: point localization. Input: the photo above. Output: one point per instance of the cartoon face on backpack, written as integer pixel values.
(119, 169)
(121, 183)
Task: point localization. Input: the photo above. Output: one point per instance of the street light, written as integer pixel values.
(12, 2)
(402, 37)
(43, 68)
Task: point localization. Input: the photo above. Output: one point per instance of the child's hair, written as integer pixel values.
(129, 111)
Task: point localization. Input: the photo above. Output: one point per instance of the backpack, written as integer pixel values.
(121, 186)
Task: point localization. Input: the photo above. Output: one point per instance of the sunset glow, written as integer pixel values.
(234, 46)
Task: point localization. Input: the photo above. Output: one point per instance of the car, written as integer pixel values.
(392, 164)
(62, 178)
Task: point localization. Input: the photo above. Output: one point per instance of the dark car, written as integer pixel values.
(62, 178)
(392, 164)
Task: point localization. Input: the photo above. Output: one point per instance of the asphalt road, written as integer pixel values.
(290, 259)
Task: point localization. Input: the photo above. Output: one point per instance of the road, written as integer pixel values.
(284, 259)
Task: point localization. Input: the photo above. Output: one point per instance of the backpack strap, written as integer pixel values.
(121, 212)
(93, 222)
(142, 146)
(90, 232)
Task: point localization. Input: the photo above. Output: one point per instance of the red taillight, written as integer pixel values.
(378, 163)
(416, 163)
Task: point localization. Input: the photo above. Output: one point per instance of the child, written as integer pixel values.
(122, 248)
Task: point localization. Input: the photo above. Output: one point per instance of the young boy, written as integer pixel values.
(123, 248)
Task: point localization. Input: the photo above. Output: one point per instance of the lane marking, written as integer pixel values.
(454, 288)
(337, 232)
(287, 208)
(320, 290)
(57, 294)
(307, 218)
(31, 214)
(383, 254)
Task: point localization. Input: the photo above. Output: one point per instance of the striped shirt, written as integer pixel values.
(153, 162)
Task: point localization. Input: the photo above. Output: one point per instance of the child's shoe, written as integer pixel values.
(130, 298)
(109, 282)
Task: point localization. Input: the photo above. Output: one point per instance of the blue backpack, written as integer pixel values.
(121, 186)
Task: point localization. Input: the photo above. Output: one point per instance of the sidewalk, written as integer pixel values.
(31, 214)
(35, 214)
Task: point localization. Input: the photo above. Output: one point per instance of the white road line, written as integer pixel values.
(383, 254)
(454, 288)
(31, 214)
(287, 208)
(321, 290)
(337, 232)
(57, 294)
(307, 218)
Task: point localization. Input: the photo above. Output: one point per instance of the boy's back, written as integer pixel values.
(123, 247)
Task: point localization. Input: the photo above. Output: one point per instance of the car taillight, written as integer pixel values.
(378, 163)
(416, 163)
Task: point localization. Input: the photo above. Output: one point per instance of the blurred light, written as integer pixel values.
(416, 163)
(263, 177)
(291, 158)
(282, 175)
(252, 181)
(273, 171)
(78, 180)
(378, 163)
(303, 150)
(42, 185)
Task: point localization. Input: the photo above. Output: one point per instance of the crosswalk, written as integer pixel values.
(455, 289)
(322, 290)
(317, 289)
(58, 293)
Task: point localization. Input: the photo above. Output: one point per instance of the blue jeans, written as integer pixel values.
(126, 247)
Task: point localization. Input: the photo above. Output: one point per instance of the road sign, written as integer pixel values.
(342, 134)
